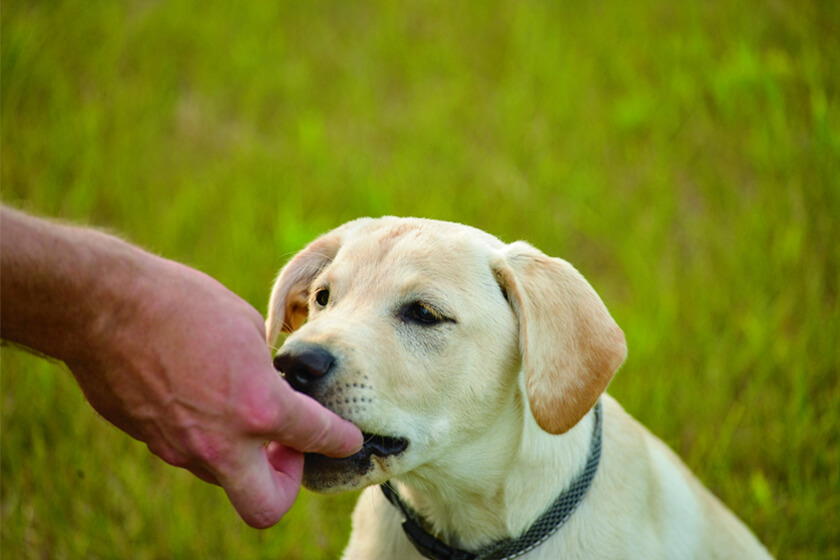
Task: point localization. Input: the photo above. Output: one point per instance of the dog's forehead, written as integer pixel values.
(400, 247)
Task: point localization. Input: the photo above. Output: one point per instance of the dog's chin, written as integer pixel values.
(369, 466)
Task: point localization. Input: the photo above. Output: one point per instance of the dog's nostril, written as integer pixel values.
(303, 365)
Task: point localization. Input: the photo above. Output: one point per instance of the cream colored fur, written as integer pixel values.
(495, 400)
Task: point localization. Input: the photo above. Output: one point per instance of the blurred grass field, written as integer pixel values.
(684, 156)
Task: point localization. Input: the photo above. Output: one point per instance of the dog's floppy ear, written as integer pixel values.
(289, 303)
(571, 346)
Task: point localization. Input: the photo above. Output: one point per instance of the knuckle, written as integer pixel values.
(208, 449)
(320, 436)
(258, 419)
(257, 413)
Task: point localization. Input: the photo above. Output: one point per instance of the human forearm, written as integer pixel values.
(60, 283)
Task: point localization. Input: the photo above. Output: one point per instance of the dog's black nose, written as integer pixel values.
(303, 365)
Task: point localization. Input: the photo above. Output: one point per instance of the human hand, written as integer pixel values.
(168, 355)
(182, 365)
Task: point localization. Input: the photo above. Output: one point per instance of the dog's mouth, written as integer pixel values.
(383, 446)
(380, 446)
(323, 472)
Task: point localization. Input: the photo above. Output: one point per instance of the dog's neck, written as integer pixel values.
(496, 485)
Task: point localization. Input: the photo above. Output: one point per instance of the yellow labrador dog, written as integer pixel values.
(477, 371)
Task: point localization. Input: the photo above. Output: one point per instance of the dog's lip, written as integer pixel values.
(383, 446)
(374, 444)
(322, 472)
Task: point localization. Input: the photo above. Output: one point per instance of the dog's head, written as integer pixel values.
(418, 331)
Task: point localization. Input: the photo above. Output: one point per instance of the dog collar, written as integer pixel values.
(545, 526)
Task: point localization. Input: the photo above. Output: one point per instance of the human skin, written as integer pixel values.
(168, 355)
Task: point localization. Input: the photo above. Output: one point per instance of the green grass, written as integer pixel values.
(685, 156)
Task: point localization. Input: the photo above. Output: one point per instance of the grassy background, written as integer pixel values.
(685, 156)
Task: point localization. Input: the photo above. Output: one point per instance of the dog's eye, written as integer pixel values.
(322, 297)
(419, 313)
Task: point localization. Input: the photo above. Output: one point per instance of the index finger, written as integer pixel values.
(305, 425)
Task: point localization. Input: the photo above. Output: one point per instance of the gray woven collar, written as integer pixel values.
(545, 526)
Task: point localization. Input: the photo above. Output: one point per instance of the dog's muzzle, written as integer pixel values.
(306, 367)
